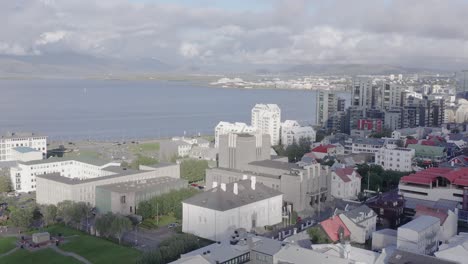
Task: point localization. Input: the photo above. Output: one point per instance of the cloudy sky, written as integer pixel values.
(401, 32)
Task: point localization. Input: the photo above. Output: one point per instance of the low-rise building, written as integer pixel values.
(455, 249)
(448, 220)
(217, 213)
(13, 140)
(421, 235)
(391, 157)
(345, 183)
(125, 197)
(335, 229)
(384, 238)
(361, 222)
(24, 154)
(363, 145)
(323, 151)
(53, 188)
(203, 153)
(174, 148)
(389, 208)
(433, 154)
(292, 131)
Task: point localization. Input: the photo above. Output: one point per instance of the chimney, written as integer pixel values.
(253, 181)
(236, 190)
(245, 177)
(223, 186)
(215, 184)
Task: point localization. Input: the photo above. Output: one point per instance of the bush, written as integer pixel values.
(193, 170)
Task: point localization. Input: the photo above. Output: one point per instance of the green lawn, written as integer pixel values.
(44, 256)
(84, 154)
(163, 221)
(145, 147)
(7, 244)
(92, 248)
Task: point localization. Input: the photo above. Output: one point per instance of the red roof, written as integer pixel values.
(458, 176)
(344, 173)
(428, 143)
(323, 148)
(411, 141)
(442, 214)
(331, 227)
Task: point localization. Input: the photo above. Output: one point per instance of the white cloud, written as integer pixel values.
(51, 37)
(12, 49)
(189, 50)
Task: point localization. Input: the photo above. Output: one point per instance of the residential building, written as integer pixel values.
(266, 119)
(13, 140)
(295, 254)
(361, 222)
(292, 131)
(391, 157)
(371, 124)
(363, 145)
(405, 257)
(335, 229)
(347, 252)
(125, 197)
(391, 95)
(393, 119)
(389, 208)
(224, 128)
(217, 213)
(203, 153)
(174, 148)
(24, 174)
(237, 150)
(362, 92)
(326, 106)
(420, 235)
(448, 220)
(434, 184)
(345, 183)
(323, 151)
(455, 249)
(384, 238)
(53, 188)
(430, 154)
(303, 185)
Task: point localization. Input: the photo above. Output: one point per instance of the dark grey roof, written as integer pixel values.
(276, 164)
(267, 246)
(441, 203)
(370, 141)
(21, 135)
(141, 185)
(252, 173)
(405, 257)
(220, 200)
(358, 211)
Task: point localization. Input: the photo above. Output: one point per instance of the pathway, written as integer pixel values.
(70, 254)
(9, 252)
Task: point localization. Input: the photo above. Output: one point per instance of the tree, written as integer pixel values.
(384, 133)
(400, 143)
(193, 170)
(22, 217)
(49, 214)
(119, 226)
(5, 184)
(317, 235)
(103, 224)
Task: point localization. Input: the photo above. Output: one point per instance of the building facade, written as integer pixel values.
(421, 235)
(266, 119)
(13, 140)
(391, 157)
(292, 131)
(224, 128)
(237, 150)
(345, 183)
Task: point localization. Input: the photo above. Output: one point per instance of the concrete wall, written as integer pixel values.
(236, 151)
(382, 240)
(431, 194)
(449, 228)
(218, 225)
(422, 242)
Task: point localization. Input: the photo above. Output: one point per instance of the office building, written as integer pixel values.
(266, 119)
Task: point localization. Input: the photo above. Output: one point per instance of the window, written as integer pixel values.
(122, 199)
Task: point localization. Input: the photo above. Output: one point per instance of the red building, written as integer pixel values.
(370, 124)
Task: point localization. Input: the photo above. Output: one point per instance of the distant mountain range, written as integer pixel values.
(78, 65)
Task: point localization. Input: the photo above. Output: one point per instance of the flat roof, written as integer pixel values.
(25, 149)
(92, 161)
(276, 164)
(420, 223)
(21, 135)
(404, 257)
(251, 173)
(140, 185)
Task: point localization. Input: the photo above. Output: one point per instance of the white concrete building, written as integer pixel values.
(26, 154)
(448, 220)
(384, 238)
(23, 175)
(361, 222)
(13, 140)
(345, 183)
(266, 119)
(456, 249)
(292, 131)
(391, 157)
(53, 188)
(217, 213)
(224, 128)
(420, 235)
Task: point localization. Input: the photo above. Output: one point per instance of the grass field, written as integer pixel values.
(7, 244)
(44, 256)
(145, 147)
(163, 221)
(92, 248)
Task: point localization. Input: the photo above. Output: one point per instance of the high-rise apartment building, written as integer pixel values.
(391, 95)
(266, 119)
(362, 92)
(327, 103)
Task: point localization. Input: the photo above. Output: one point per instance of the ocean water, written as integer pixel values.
(115, 109)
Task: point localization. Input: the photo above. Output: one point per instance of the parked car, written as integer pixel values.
(201, 187)
(194, 185)
(172, 225)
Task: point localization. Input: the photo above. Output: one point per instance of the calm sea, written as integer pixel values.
(113, 109)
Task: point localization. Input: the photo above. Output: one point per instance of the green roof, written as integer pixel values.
(423, 150)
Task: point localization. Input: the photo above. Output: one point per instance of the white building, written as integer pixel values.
(26, 154)
(217, 213)
(292, 131)
(391, 95)
(23, 175)
(345, 183)
(224, 128)
(391, 157)
(326, 106)
(361, 222)
(13, 140)
(455, 250)
(448, 220)
(266, 119)
(421, 235)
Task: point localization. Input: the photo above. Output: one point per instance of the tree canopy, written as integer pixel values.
(165, 204)
(170, 249)
(379, 179)
(193, 170)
